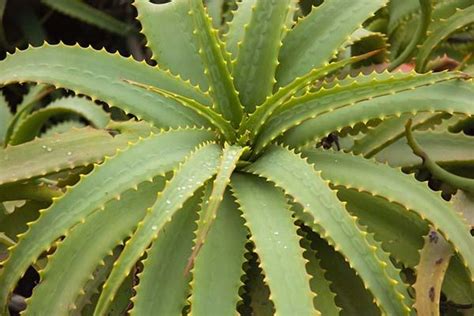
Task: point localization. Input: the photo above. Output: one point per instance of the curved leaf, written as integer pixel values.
(84, 247)
(458, 20)
(150, 157)
(30, 126)
(241, 17)
(381, 180)
(216, 63)
(316, 38)
(218, 267)
(323, 210)
(269, 219)
(257, 57)
(431, 99)
(75, 68)
(193, 172)
(168, 29)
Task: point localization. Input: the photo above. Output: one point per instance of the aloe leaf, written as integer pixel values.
(256, 120)
(430, 99)
(30, 100)
(324, 300)
(163, 286)
(15, 222)
(75, 68)
(257, 57)
(391, 130)
(85, 246)
(317, 37)
(31, 125)
(214, 118)
(384, 219)
(420, 33)
(446, 149)
(218, 267)
(78, 147)
(5, 117)
(241, 17)
(193, 172)
(147, 158)
(269, 219)
(230, 157)
(456, 181)
(27, 191)
(351, 295)
(458, 20)
(168, 28)
(315, 106)
(365, 175)
(216, 63)
(84, 12)
(324, 210)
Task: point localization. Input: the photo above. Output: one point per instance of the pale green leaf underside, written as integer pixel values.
(266, 212)
(304, 184)
(31, 125)
(168, 29)
(152, 156)
(381, 180)
(193, 172)
(218, 267)
(75, 68)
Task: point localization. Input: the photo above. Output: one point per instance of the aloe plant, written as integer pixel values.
(230, 173)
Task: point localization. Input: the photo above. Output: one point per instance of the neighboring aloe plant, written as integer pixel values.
(230, 173)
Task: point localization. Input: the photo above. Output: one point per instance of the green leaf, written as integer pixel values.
(31, 125)
(436, 171)
(85, 246)
(228, 163)
(84, 12)
(351, 295)
(399, 231)
(447, 149)
(420, 33)
(215, 9)
(5, 117)
(218, 267)
(324, 300)
(430, 272)
(216, 63)
(455, 22)
(76, 68)
(16, 222)
(256, 120)
(197, 168)
(214, 118)
(317, 38)
(269, 219)
(241, 17)
(391, 130)
(78, 147)
(150, 157)
(168, 29)
(381, 180)
(433, 98)
(257, 57)
(163, 286)
(312, 108)
(27, 191)
(324, 212)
